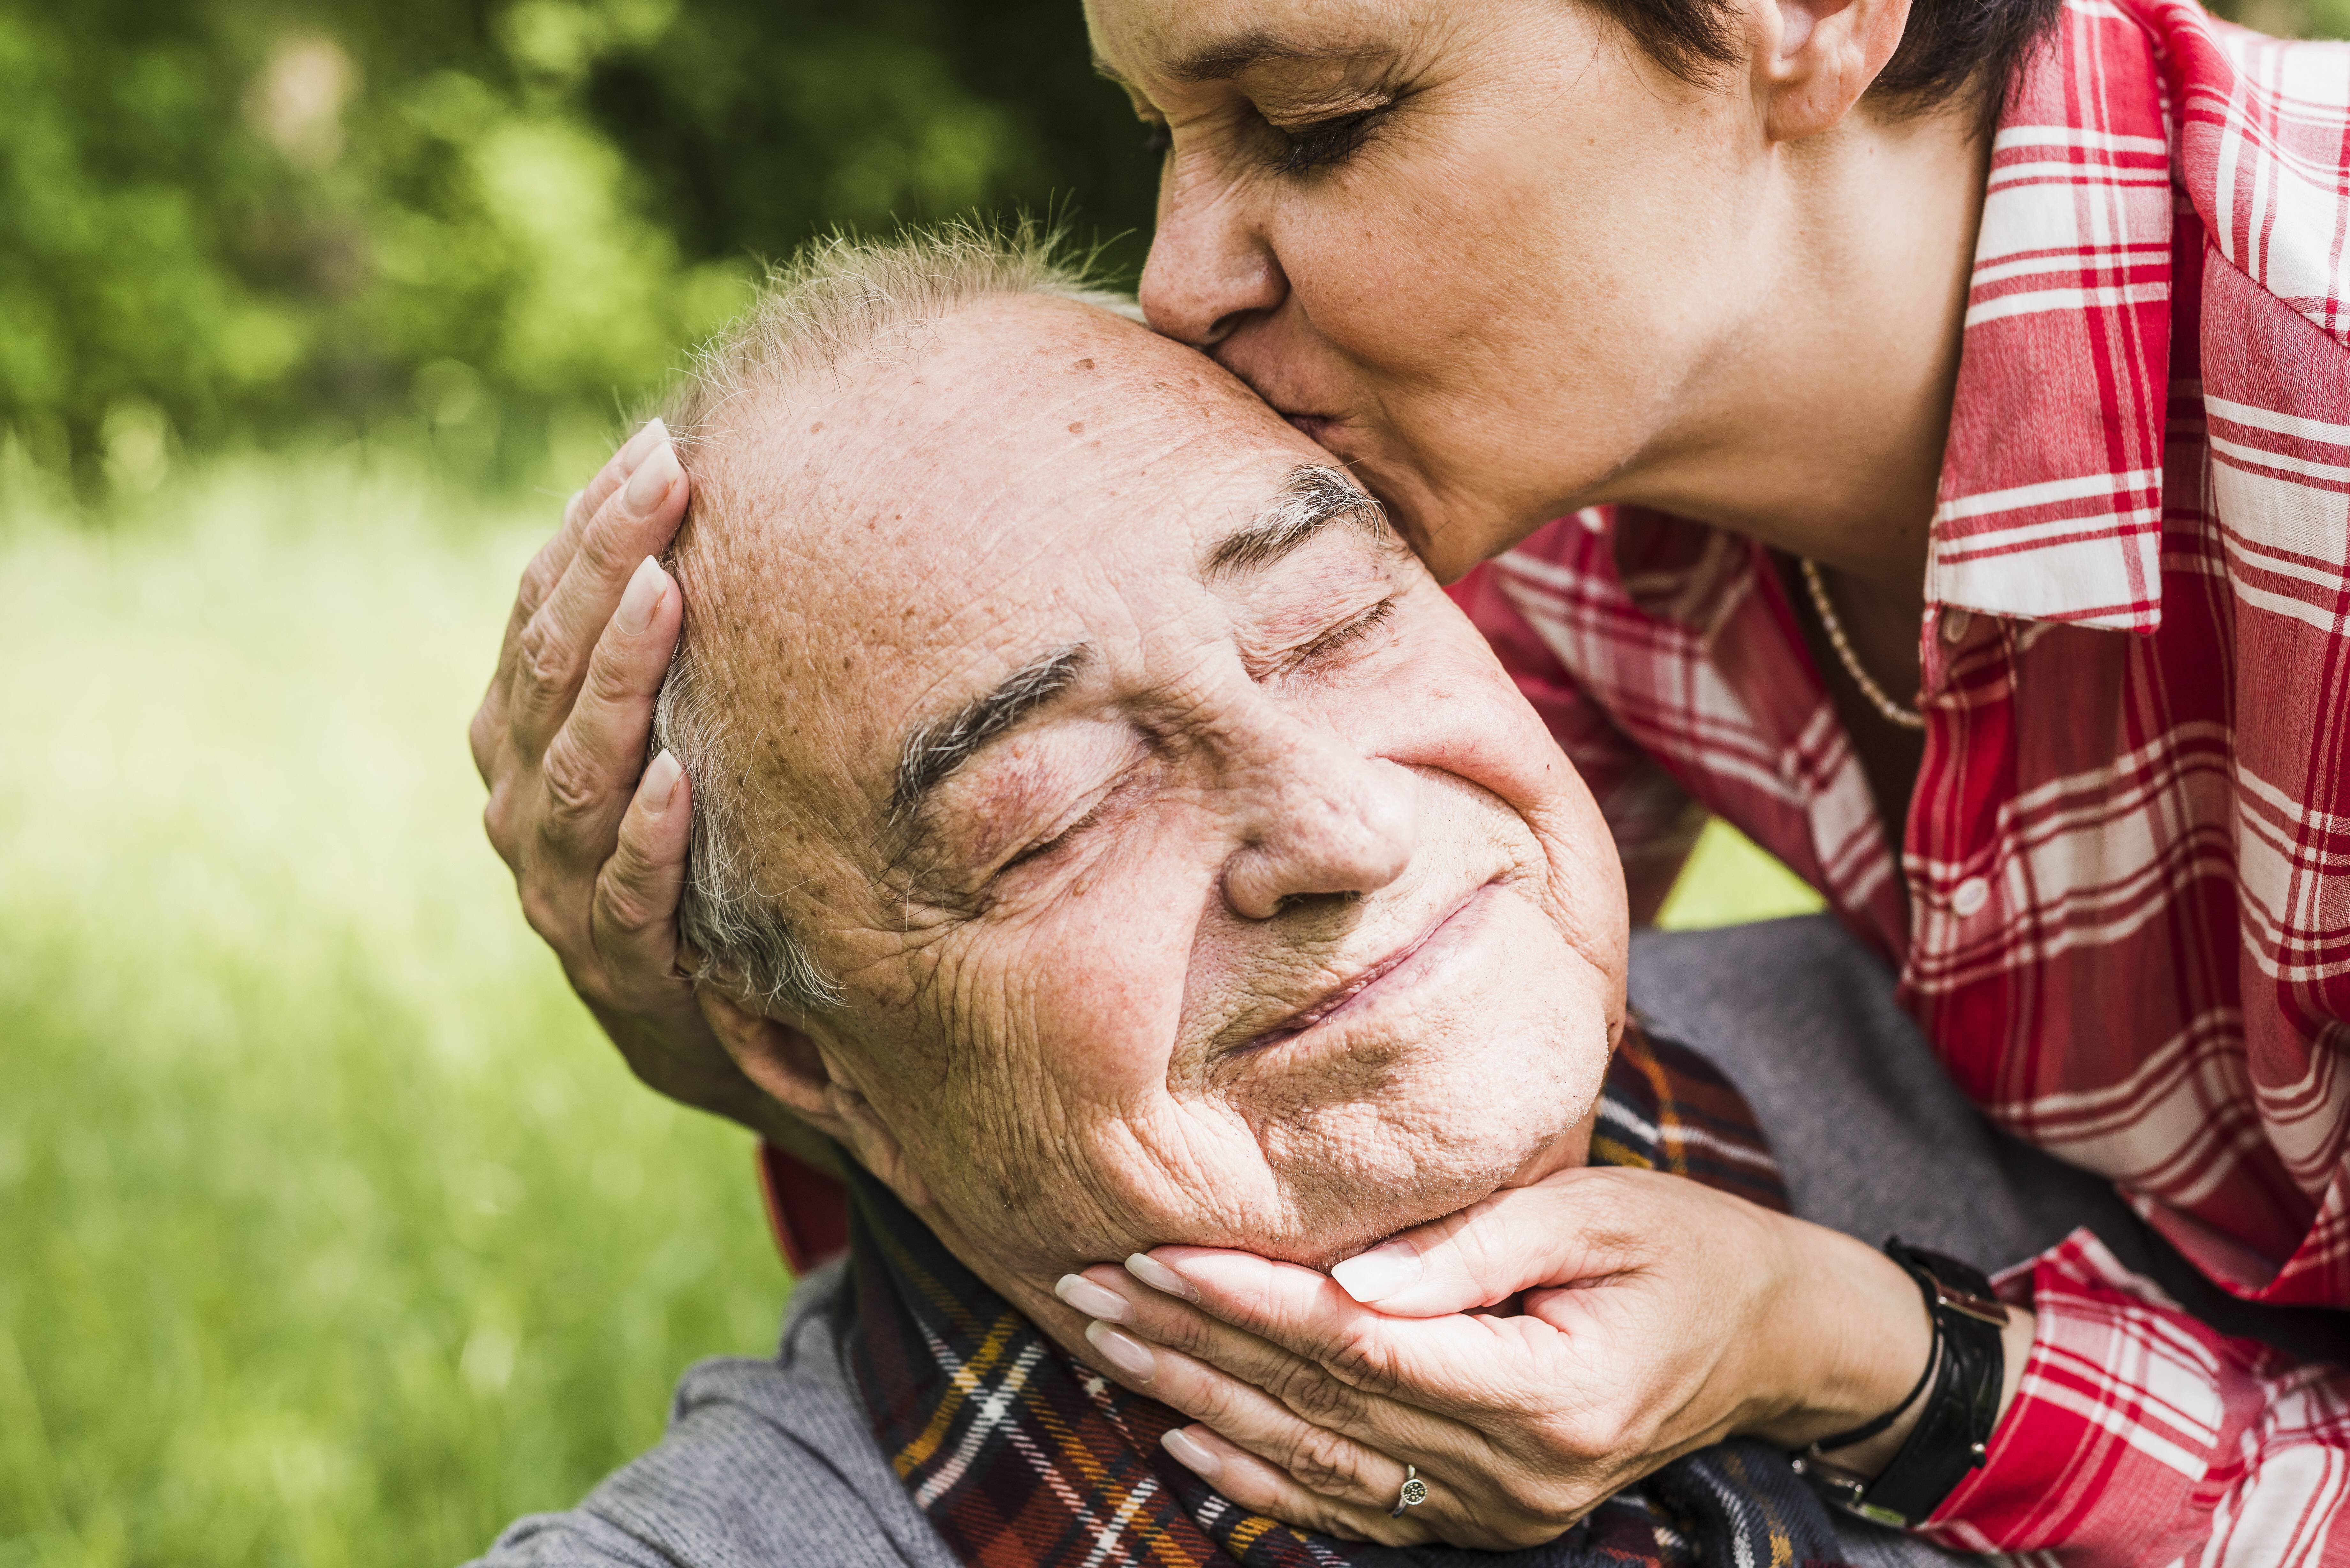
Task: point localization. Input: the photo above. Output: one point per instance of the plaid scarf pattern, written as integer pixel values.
(1022, 1456)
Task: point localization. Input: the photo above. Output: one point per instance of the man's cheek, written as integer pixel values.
(1049, 1036)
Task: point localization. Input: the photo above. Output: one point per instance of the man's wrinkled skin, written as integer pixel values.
(1504, 265)
(1074, 977)
(1282, 929)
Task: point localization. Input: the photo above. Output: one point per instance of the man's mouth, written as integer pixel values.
(1396, 971)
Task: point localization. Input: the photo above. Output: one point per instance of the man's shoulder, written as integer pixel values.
(764, 1461)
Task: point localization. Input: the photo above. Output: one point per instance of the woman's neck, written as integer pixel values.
(1817, 426)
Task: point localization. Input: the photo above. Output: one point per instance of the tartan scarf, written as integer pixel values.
(1022, 1456)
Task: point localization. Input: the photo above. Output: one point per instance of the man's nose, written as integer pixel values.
(1322, 819)
(1210, 270)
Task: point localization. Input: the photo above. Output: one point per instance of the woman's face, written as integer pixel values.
(1483, 250)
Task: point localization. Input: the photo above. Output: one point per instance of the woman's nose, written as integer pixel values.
(1210, 270)
(1325, 821)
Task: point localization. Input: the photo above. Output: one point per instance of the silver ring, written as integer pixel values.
(1414, 1494)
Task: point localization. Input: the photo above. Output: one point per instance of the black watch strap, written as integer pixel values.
(1953, 1431)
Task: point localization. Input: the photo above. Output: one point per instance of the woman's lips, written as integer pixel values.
(1400, 969)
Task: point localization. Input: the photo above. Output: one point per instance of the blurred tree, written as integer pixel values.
(230, 222)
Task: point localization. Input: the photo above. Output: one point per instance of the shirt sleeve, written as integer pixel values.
(2141, 1435)
(1654, 821)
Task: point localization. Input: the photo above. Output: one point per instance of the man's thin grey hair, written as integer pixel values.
(838, 302)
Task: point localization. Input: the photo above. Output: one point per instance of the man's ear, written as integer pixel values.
(1813, 59)
(805, 1077)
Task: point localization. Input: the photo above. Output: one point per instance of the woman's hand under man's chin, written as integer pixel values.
(1653, 1316)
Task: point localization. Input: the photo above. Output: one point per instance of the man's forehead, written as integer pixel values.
(1033, 441)
(1038, 470)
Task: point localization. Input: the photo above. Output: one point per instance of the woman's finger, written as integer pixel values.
(551, 655)
(491, 728)
(633, 919)
(1567, 1228)
(1398, 1422)
(596, 757)
(1452, 1369)
(1324, 1462)
(548, 566)
(1263, 1488)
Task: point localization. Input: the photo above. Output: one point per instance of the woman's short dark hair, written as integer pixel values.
(1951, 49)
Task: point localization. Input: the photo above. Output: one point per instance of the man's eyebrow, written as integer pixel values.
(1310, 499)
(938, 748)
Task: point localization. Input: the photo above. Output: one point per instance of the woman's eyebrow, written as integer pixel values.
(936, 749)
(1225, 60)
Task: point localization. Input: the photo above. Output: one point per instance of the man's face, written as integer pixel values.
(1192, 871)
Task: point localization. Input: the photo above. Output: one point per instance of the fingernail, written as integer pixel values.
(1159, 1277)
(660, 780)
(1192, 1454)
(1128, 1354)
(632, 450)
(636, 604)
(1092, 1300)
(1379, 1272)
(652, 479)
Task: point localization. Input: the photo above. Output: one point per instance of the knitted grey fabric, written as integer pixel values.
(771, 1463)
(766, 1464)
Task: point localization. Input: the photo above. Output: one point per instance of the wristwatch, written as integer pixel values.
(1964, 1369)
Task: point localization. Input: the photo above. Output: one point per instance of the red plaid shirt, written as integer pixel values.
(2129, 927)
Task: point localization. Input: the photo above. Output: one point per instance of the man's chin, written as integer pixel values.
(1380, 1211)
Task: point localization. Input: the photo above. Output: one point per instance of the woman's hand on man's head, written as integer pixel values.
(1657, 1316)
(597, 837)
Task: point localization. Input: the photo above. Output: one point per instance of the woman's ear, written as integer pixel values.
(806, 1077)
(1815, 59)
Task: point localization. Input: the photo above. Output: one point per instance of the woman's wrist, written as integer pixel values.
(1852, 1337)
(1856, 1339)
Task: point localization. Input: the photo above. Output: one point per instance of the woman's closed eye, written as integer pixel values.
(1319, 144)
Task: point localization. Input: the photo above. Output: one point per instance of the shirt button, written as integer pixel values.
(1970, 896)
(1956, 624)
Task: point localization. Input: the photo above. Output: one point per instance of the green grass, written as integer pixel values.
(1729, 881)
(330, 1230)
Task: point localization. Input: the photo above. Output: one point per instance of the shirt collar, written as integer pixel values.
(2049, 505)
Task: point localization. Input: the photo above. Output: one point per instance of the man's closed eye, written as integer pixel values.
(1355, 630)
(1059, 841)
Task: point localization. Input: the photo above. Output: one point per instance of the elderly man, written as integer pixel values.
(1107, 834)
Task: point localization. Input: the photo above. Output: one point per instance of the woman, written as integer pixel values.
(1950, 401)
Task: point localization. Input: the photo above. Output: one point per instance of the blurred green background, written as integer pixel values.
(330, 1230)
